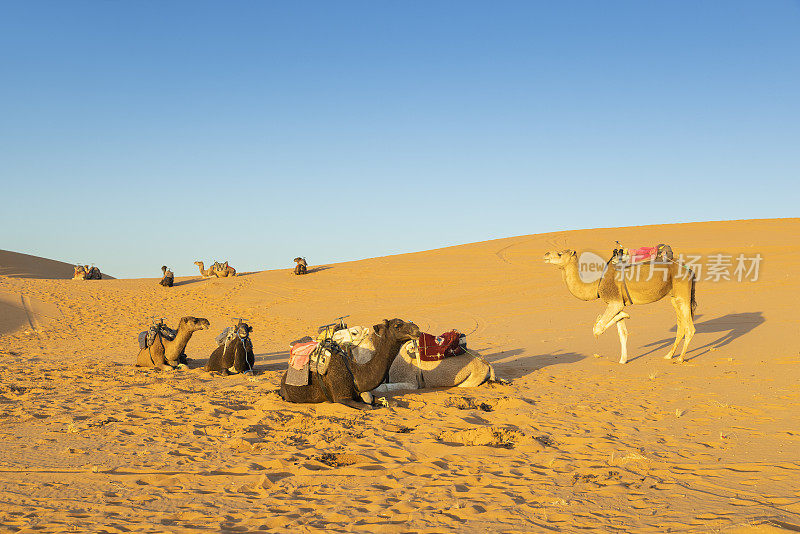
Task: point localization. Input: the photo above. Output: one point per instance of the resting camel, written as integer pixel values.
(651, 283)
(165, 354)
(301, 267)
(84, 272)
(409, 372)
(235, 354)
(347, 388)
(206, 273)
(169, 277)
(222, 270)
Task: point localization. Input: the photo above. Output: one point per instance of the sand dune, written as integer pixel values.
(576, 442)
(18, 265)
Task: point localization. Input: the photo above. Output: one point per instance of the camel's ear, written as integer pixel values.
(574, 252)
(379, 328)
(249, 328)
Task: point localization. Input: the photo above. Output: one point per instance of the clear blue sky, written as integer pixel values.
(139, 133)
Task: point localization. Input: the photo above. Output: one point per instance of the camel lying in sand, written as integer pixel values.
(222, 270)
(166, 354)
(346, 379)
(301, 267)
(409, 371)
(235, 351)
(84, 272)
(169, 277)
(205, 273)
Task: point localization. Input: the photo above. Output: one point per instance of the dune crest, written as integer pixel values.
(19, 265)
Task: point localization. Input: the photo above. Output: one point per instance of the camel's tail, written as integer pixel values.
(693, 302)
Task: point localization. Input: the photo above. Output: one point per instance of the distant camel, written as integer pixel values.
(169, 277)
(346, 379)
(301, 267)
(653, 281)
(206, 273)
(222, 270)
(166, 354)
(235, 353)
(84, 272)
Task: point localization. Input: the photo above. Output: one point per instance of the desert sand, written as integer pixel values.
(577, 442)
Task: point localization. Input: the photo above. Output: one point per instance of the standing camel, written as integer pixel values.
(652, 282)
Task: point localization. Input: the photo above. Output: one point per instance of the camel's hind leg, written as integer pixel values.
(685, 312)
(681, 330)
(623, 340)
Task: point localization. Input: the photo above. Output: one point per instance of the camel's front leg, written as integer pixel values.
(607, 318)
(394, 386)
(623, 340)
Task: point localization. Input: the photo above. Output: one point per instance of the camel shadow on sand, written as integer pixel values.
(731, 327)
(318, 268)
(178, 283)
(273, 361)
(518, 367)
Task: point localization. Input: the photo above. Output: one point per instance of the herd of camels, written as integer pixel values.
(387, 355)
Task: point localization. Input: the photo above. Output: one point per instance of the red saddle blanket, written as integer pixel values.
(642, 253)
(432, 348)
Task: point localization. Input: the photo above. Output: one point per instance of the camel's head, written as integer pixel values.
(194, 323)
(301, 261)
(560, 258)
(199, 264)
(243, 330)
(397, 329)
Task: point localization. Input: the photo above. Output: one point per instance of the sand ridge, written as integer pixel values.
(576, 442)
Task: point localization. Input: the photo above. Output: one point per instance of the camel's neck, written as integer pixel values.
(173, 349)
(371, 374)
(576, 286)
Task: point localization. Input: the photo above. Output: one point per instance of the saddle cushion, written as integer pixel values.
(148, 337)
(300, 353)
(432, 348)
(642, 253)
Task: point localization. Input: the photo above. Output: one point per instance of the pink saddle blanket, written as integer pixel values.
(642, 253)
(301, 352)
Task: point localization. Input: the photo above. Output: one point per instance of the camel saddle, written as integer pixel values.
(148, 337)
(437, 348)
(307, 356)
(228, 334)
(660, 253)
